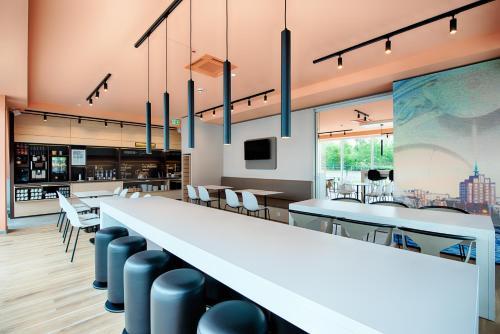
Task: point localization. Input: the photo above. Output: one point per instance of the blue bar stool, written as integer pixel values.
(102, 239)
(140, 271)
(177, 302)
(233, 317)
(119, 250)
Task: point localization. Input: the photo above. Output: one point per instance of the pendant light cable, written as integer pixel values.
(227, 29)
(190, 41)
(166, 56)
(148, 69)
(285, 14)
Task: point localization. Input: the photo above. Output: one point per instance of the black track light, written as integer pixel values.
(388, 48)
(453, 25)
(97, 95)
(331, 134)
(249, 103)
(105, 86)
(232, 107)
(45, 117)
(106, 123)
(339, 63)
(344, 132)
(213, 113)
(364, 118)
(121, 125)
(359, 115)
(201, 115)
(79, 120)
(265, 98)
(90, 102)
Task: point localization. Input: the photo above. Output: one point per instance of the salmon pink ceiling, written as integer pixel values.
(73, 44)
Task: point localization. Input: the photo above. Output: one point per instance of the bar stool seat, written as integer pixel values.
(233, 317)
(102, 239)
(141, 270)
(119, 250)
(177, 301)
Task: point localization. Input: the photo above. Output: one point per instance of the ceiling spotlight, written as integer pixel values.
(106, 123)
(79, 120)
(453, 25)
(265, 98)
(364, 118)
(339, 63)
(213, 113)
(331, 134)
(249, 103)
(201, 116)
(121, 125)
(90, 102)
(344, 132)
(45, 117)
(359, 115)
(232, 107)
(388, 49)
(105, 86)
(97, 95)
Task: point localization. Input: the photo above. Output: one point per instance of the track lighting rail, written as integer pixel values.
(236, 101)
(95, 92)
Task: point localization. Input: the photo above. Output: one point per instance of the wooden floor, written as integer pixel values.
(42, 292)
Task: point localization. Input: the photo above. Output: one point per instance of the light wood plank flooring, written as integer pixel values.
(42, 292)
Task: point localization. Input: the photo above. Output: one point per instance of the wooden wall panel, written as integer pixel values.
(32, 129)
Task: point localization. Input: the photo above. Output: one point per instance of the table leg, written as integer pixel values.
(363, 199)
(357, 191)
(485, 260)
(265, 205)
(218, 199)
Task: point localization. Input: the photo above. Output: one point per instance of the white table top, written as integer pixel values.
(214, 187)
(258, 192)
(320, 282)
(94, 193)
(91, 202)
(429, 220)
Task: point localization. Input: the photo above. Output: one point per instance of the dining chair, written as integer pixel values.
(205, 196)
(123, 193)
(81, 208)
(453, 210)
(193, 196)
(252, 206)
(135, 195)
(393, 231)
(341, 199)
(117, 190)
(75, 222)
(375, 192)
(346, 190)
(232, 200)
(361, 230)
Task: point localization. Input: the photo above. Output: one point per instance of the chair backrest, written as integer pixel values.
(147, 195)
(135, 195)
(204, 195)
(346, 187)
(347, 199)
(61, 200)
(191, 192)
(232, 199)
(249, 201)
(390, 203)
(117, 190)
(443, 208)
(361, 230)
(123, 193)
(73, 217)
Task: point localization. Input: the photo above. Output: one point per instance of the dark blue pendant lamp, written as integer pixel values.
(166, 100)
(148, 116)
(227, 90)
(190, 86)
(286, 101)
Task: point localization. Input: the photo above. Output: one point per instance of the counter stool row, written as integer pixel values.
(159, 297)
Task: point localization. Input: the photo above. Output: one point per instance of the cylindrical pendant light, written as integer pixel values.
(148, 116)
(190, 86)
(166, 99)
(286, 101)
(227, 90)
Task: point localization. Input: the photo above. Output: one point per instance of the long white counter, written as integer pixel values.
(479, 227)
(321, 283)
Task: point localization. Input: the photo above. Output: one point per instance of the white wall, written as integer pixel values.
(295, 155)
(206, 157)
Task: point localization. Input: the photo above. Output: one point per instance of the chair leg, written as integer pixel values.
(69, 239)
(62, 221)
(74, 247)
(59, 218)
(66, 227)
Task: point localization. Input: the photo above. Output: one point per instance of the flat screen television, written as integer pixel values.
(258, 149)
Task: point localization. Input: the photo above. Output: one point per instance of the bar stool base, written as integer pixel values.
(100, 285)
(114, 308)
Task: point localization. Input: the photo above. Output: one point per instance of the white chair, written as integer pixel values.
(391, 231)
(252, 206)
(117, 191)
(75, 221)
(375, 191)
(147, 195)
(205, 196)
(123, 193)
(63, 201)
(232, 200)
(135, 195)
(193, 196)
(346, 190)
(66, 207)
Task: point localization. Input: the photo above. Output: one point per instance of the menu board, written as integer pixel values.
(78, 157)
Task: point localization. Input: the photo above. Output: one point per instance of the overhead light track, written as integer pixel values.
(157, 23)
(335, 131)
(246, 98)
(386, 37)
(95, 92)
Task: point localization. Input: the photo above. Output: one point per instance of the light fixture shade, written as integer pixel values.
(339, 63)
(388, 47)
(97, 94)
(148, 127)
(286, 101)
(190, 119)
(166, 122)
(105, 86)
(453, 26)
(227, 102)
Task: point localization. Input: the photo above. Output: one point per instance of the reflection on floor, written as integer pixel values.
(42, 292)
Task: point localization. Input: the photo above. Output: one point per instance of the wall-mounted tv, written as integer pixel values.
(258, 149)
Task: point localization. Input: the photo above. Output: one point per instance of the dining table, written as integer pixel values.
(218, 189)
(261, 193)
